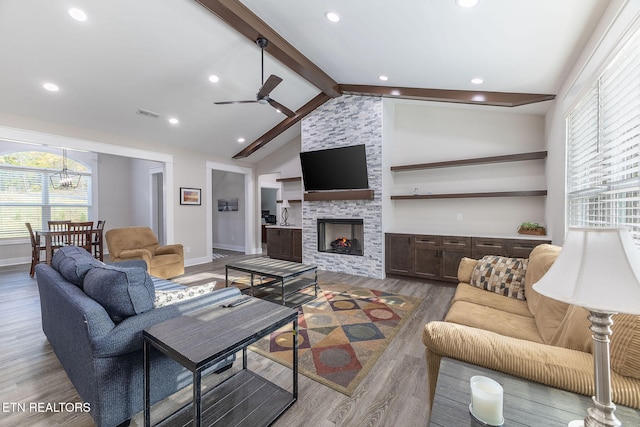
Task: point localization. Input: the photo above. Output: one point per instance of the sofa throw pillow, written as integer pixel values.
(502, 275)
(178, 295)
(123, 292)
(73, 263)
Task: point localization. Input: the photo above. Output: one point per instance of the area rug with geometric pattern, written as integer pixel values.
(341, 334)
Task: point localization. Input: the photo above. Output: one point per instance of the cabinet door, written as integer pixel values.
(273, 243)
(453, 250)
(482, 246)
(521, 248)
(426, 262)
(398, 254)
(296, 242)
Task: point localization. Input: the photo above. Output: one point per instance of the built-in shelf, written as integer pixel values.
(290, 201)
(339, 195)
(469, 195)
(537, 155)
(290, 179)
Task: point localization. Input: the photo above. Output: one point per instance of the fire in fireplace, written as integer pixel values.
(341, 236)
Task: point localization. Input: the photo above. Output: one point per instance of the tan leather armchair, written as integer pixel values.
(131, 243)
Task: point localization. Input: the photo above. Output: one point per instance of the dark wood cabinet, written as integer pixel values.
(398, 259)
(426, 263)
(437, 257)
(284, 244)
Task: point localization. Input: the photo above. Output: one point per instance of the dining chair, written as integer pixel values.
(58, 240)
(80, 234)
(36, 248)
(97, 240)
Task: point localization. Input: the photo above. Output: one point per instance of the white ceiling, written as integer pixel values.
(158, 55)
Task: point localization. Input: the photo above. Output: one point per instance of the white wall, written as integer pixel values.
(424, 132)
(228, 227)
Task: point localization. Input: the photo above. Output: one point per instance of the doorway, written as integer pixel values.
(157, 204)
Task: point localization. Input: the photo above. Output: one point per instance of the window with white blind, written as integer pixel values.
(27, 195)
(603, 148)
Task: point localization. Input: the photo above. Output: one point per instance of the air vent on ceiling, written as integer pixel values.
(147, 113)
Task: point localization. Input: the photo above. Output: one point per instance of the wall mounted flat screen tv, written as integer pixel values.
(343, 168)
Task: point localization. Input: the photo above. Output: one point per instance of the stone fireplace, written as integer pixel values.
(344, 121)
(343, 236)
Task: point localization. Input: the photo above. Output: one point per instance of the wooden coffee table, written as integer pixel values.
(526, 403)
(201, 339)
(285, 279)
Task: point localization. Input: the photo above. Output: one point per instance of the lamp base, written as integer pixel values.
(600, 415)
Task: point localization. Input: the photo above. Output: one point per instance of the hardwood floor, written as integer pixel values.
(393, 394)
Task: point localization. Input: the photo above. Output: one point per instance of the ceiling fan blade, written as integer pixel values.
(269, 85)
(281, 107)
(235, 102)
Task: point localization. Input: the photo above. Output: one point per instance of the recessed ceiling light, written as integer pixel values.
(241, 140)
(332, 16)
(477, 81)
(466, 3)
(478, 98)
(51, 87)
(214, 79)
(383, 78)
(395, 92)
(78, 14)
(174, 121)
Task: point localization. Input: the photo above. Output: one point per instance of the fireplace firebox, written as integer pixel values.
(341, 236)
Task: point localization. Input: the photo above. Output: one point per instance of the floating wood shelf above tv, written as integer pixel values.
(339, 195)
(290, 201)
(469, 195)
(290, 179)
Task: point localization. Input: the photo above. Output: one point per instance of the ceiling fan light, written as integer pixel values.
(332, 16)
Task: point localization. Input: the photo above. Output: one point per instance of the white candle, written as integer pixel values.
(486, 400)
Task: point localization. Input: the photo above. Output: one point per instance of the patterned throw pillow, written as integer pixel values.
(502, 275)
(175, 296)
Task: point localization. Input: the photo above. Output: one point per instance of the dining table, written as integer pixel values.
(50, 236)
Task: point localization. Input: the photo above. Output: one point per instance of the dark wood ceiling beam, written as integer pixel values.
(283, 125)
(241, 19)
(501, 99)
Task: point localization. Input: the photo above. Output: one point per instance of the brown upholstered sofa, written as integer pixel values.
(131, 243)
(538, 338)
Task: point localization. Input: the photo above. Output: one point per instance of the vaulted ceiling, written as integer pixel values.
(158, 56)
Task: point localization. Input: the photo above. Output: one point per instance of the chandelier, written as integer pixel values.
(64, 179)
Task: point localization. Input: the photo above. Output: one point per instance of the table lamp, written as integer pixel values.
(285, 212)
(598, 269)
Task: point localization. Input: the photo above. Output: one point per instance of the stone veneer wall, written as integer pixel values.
(344, 121)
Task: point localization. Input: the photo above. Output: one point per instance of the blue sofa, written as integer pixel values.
(93, 315)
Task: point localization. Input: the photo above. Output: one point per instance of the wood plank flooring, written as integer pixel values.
(393, 394)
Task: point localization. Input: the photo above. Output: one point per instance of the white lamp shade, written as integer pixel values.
(285, 204)
(598, 268)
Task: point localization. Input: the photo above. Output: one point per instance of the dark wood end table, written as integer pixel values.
(526, 403)
(200, 339)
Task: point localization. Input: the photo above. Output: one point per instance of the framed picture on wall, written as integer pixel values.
(190, 196)
(227, 205)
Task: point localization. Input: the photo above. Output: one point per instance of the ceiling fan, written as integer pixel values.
(262, 97)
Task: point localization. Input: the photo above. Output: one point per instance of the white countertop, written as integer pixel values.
(492, 236)
(294, 227)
